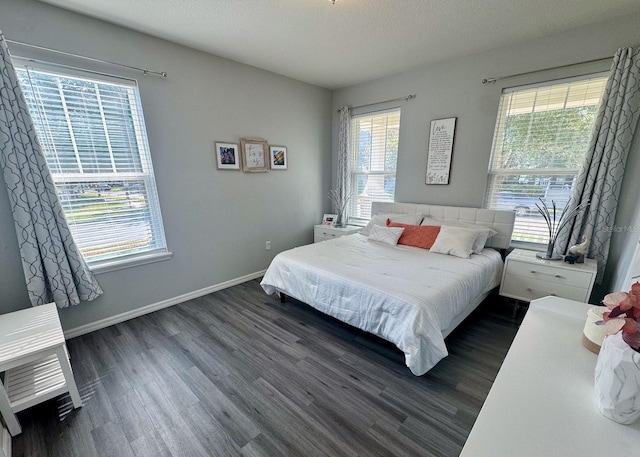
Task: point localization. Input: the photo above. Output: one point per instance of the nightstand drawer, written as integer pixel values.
(326, 233)
(545, 273)
(528, 288)
(323, 233)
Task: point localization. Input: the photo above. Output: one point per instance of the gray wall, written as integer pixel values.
(623, 243)
(216, 222)
(454, 89)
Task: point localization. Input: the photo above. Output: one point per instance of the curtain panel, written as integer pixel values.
(53, 266)
(343, 184)
(600, 176)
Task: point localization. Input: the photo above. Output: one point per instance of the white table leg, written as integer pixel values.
(68, 376)
(7, 413)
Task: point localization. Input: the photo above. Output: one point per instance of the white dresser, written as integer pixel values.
(327, 232)
(527, 278)
(543, 402)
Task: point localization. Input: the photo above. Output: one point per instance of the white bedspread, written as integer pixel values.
(403, 294)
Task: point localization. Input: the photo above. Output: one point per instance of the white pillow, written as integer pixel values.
(387, 235)
(484, 233)
(456, 241)
(381, 219)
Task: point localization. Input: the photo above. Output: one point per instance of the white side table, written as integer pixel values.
(35, 360)
(327, 232)
(527, 278)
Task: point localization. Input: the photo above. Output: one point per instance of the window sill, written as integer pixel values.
(113, 265)
(529, 246)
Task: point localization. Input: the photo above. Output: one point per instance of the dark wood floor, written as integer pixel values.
(238, 373)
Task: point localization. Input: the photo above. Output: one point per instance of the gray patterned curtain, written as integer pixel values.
(601, 174)
(53, 266)
(344, 183)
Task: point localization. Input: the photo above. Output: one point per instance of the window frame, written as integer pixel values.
(354, 174)
(159, 251)
(491, 189)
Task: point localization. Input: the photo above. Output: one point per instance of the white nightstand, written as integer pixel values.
(327, 232)
(527, 278)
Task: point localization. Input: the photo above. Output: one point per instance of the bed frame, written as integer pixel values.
(500, 221)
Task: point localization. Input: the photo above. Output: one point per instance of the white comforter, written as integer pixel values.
(403, 294)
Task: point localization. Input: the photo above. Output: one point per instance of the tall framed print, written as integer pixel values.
(441, 136)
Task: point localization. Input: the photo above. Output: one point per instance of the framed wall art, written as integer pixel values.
(227, 156)
(441, 138)
(329, 219)
(278, 157)
(255, 155)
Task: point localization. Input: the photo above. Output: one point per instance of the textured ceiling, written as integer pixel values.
(353, 40)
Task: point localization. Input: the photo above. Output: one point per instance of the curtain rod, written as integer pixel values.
(405, 98)
(42, 48)
(493, 80)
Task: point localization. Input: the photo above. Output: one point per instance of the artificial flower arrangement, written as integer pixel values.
(341, 201)
(623, 314)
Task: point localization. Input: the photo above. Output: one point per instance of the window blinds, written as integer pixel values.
(374, 154)
(93, 136)
(541, 137)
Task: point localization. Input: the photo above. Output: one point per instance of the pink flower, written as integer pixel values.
(613, 299)
(624, 315)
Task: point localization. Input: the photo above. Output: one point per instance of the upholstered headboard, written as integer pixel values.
(500, 221)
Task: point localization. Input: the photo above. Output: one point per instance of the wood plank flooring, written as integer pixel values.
(238, 373)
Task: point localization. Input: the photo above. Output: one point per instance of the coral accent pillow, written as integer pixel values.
(420, 236)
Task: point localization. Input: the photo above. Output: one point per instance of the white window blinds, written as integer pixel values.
(374, 153)
(540, 141)
(93, 136)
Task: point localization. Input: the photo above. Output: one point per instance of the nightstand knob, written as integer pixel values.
(529, 289)
(559, 276)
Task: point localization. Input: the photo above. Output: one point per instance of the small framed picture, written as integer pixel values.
(278, 157)
(255, 155)
(227, 156)
(329, 219)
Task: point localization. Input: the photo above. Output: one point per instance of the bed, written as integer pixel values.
(406, 295)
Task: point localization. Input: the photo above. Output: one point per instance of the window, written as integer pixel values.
(93, 136)
(374, 153)
(541, 138)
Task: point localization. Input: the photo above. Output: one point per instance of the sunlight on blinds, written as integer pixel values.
(374, 153)
(94, 139)
(541, 138)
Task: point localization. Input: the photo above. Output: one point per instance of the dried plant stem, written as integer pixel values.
(555, 224)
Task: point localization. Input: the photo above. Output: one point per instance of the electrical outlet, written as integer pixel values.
(267, 245)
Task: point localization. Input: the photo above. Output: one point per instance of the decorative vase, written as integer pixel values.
(549, 255)
(617, 380)
(340, 222)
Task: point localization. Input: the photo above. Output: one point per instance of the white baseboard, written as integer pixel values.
(102, 323)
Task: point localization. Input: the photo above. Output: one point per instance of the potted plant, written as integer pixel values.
(556, 220)
(340, 200)
(617, 379)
